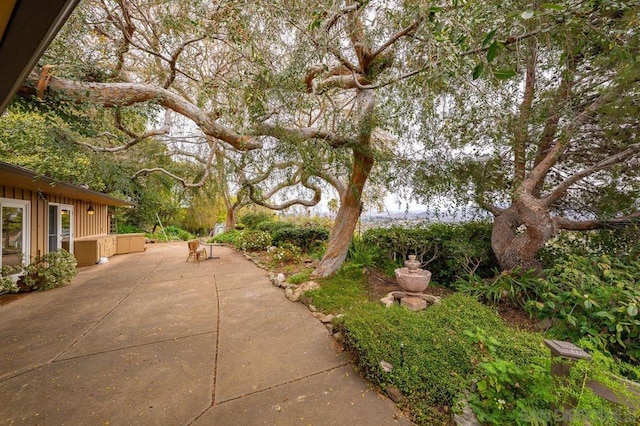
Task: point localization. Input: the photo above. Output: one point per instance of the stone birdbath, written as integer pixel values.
(413, 281)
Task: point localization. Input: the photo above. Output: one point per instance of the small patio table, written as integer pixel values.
(210, 245)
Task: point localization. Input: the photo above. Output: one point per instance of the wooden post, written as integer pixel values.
(563, 356)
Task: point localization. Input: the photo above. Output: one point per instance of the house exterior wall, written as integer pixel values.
(85, 225)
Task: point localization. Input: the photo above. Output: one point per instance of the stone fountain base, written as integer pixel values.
(412, 301)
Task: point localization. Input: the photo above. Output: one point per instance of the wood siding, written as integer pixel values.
(85, 225)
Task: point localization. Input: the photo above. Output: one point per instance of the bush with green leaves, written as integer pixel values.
(229, 237)
(8, 283)
(617, 242)
(360, 254)
(50, 270)
(252, 219)
(447, 250)
(127, 228)
(273, 226)
(253, 240)
(175, 232)
(305, 238)
(514, 287)
(285, 253)
(596, 298)
(433, 357)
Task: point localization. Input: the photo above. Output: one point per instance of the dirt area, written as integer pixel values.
(379, 285)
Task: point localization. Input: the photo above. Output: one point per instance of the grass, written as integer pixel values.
(300, 277)
(340, 292)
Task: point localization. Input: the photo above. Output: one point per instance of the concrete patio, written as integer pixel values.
(150, 339)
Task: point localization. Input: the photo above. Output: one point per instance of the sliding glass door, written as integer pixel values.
(14, 234)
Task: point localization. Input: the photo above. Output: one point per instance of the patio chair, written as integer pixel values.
(195, 251)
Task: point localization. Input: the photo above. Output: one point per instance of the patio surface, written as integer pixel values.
(150, 339)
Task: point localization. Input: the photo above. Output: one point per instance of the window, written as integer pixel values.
(14, 233)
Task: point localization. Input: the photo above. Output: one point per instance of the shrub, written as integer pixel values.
(360, 254)
(174, 232)
(596, 298)
(514, 287)
(448, 251)
(7, 281)
(620, 243)
(252, 219)
(285, 253)
(271, 226)
(127, 228)
(48, 271)
(253, 240)
(305, 238)
(229, 237)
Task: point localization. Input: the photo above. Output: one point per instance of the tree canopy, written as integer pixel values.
(277, 101)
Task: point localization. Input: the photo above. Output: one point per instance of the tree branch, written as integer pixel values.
(304, 133)
(112, 95)
(559, 191)
(587, 225)
(183, 182)
(395, 37)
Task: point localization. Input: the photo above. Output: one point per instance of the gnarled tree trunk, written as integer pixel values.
(346, 219)
(520, 231)
(350, 200)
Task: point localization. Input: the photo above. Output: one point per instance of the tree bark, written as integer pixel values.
(350, 200)
(515, 247)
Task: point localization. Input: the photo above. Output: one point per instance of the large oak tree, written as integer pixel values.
(557, 147)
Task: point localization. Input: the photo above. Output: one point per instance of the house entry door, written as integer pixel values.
(60, 227)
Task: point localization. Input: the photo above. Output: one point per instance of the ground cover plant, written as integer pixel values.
(438, 353)
(593, 298)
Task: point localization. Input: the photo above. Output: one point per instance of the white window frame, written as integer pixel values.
(26, 226)
(72, 219)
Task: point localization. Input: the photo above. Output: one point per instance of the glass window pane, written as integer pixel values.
(12, 235)
(53, 228)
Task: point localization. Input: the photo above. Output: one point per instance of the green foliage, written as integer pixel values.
(596, 298)
(305, 238)
(514, 287)
(175, 232)
(360, 254)
(127, 228)
(433, 357)
(623, 242)
(300, 277)
(48, 271)
(341, 292)
(252, 219)
(229, 237)
(285, 253)
(448, 251)
(589, 408)
(7, 282)
(508, 392)
(272, 226)
(253, 240)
